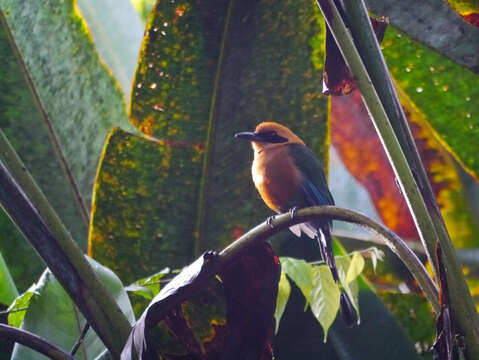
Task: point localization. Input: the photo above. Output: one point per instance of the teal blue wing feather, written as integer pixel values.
(314, 191)
(314, 188)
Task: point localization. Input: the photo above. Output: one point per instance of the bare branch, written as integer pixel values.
(394, 242)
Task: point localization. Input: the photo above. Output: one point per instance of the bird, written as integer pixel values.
(288, 176)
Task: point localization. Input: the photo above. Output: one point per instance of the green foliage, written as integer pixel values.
(430, 79)
(284, 290)
(355, 268)
(302, 274)
(116, 29)
(19, 307)
(205, 72)
(194, 101)
(80, 99)
(324, 298)
(52, 315)
(142, 208)
(8, 290)
(320, 291)
(148, 287)
(348, 271)
(378, 337)
(414, 313)
(22, 123)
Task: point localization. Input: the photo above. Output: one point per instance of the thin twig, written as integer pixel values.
(13, 311)
(34, 342)
(80, 339)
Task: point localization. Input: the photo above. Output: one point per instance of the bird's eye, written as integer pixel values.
(272, 137)
(269, 133)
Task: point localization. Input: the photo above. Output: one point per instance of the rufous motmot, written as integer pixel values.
(288, 176)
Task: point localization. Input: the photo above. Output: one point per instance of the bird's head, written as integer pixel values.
(268, 135)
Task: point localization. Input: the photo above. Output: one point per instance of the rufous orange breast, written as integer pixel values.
(275, 176)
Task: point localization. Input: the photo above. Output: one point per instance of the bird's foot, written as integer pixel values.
(210, 255)
(293, 211)
(269, 221)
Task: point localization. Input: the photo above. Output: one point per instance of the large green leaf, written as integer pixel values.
(304, 276)
(324, 298)
(77, 96)
(23, 125)
(136, 209)
(117, 31)
(78, 102)
(430, 79)
(206, 71)
(8, 290)
(52, 315)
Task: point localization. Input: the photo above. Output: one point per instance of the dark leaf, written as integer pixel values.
(196, 320)
(337, 78)
(436, 25)
(143, 216)
(251, 288)
(180, 288)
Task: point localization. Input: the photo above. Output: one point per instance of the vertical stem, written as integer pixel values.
(460, 300)
(396, 138)
(373, 59)
(380, 119)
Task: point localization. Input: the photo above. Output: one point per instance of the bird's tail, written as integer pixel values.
(348, 312)
(326, 250)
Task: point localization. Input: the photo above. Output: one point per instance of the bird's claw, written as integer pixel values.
(210, 255)
(269, 221)
(293, 211)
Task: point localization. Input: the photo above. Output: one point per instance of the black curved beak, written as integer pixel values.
(248, 136)
(267, 137)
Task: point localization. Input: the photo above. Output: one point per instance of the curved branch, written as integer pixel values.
(394, 242)
(34, 342)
